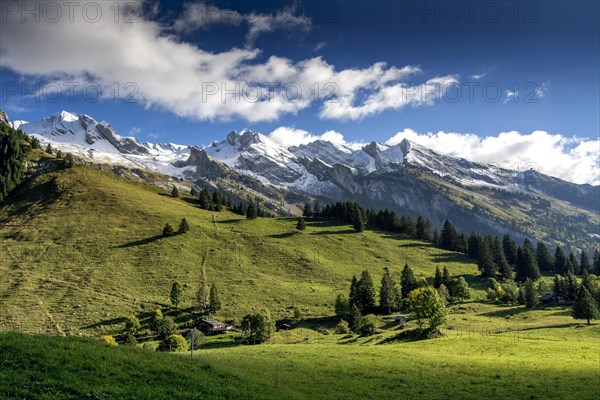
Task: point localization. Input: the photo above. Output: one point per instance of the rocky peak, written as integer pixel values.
(4, 118)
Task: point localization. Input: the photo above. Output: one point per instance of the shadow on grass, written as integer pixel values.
(328, 232)
(507, 312)
(140, 242)
(283, 235)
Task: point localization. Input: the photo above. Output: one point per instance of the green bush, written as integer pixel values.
(174, 342)
(342, 328)
(367, 325)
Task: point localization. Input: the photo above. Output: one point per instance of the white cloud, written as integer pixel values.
(203, 15)
(165, 72)
(478, 77)
(570, 158)
(288, 136)
(542, 90)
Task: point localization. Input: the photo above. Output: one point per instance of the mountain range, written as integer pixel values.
(407, 177)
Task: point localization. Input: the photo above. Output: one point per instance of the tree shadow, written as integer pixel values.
(283, 235)
(139, 242)
(507, 312)
(344, 232)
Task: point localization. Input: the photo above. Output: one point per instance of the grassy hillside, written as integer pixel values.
(81, 248)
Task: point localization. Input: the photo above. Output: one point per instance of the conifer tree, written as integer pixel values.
(485, 263)
(317, 210)
(168, 230)
(353, 296)
(449, 237)
(544, 258)
(365, 293)
(510, 250)
(585, 306)
(358, 223)
(342, 307)
(408, 283)
(474, 244)
(49, 149)
(183, 226)
(194, 192)
(531, 299)
(584, 263)
(68, 161)
(214, 304)
(251, 211)
(176, 294)
(527, 263)
(355, 316)
(596, 264)
(446, 280)
(437, 281)
(175, 192)
(217, 201)
(301, 225)
(204, 199)
(560, 262)
(388, 294)
(423, 229)
(503, 267)
(307, 211)
(59, 154)
(573, 264)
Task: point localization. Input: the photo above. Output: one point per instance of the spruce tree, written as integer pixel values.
(301, 225)
(573, 264)
(437, 281)
(531, 299)
(355, 316)
(544, 258)
(474, 241)
(214, 304)
(175, 192)
(358, 222)
(510, 250)
(485, 262)
(353, 295)
(449, 237)
(68, 161)
(446, 280)
(176, 294)
(217, 201)
(585, 306)
(584, 263)
(596, 264)
(204, 199)
(317, 210)
(49, 149)
(423, 229)
(251, 211)
(307, 211)
(560, 262)
(193, 192)
(408, 283)
(503, 267)
(388, 294)
(366, 293)
(59, 154)
(168, 230)
(183, 226)
(527, 263)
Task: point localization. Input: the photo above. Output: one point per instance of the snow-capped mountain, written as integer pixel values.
(99, 142)
(407, 177)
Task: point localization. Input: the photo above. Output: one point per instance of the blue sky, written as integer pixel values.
(529, 66)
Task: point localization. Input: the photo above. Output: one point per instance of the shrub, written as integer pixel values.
(108, 339)
(342, 328)
(367, 325)
(132, 325)
(166, 327)
(196, 338)
(174, 342)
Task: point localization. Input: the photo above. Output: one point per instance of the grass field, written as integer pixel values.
(520, 359)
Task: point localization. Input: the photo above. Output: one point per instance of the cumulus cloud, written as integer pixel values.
(151, 65)
(288, 136)
(203, 15)
(570, 158)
